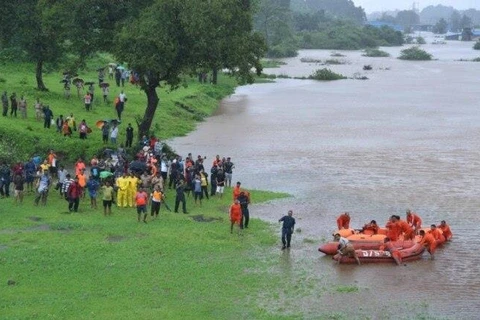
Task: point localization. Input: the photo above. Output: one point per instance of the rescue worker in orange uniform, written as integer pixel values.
(436, 233)
(447, 233)
(428, 241)
(236, 191)
(394, 230)
(414, 220)
(343, 221)
(407, 230)
(370, 228)
(235, 215)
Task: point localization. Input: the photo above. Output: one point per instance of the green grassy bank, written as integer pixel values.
(178, 112)
(87, 266)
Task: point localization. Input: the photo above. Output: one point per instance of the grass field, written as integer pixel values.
(178, 113)
(87, 266)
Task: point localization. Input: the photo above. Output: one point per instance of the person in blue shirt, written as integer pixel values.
(287, 229)
(92, 187)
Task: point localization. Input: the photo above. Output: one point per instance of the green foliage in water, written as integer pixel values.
(476, 46)
(414, 53)
(420, 40)
(375, 53)
(326, 75)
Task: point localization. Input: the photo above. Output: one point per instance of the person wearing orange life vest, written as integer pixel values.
(428, 241)
(235, 215)
(141, 200)
(414, 220)
(436, 233)
(394, 230)
(343, 221)
(406, 229)
(157, 197)
(447, 233)
(371, 227)
(236, 191)
(122, 185)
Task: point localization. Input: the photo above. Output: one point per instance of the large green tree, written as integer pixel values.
(160, 45)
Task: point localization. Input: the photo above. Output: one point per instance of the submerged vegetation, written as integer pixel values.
(476, 46)
(415, 53)
(375, 53)
(326, 75)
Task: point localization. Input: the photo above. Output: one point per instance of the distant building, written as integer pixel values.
(379, 24)
(467, 34)
(423, 27)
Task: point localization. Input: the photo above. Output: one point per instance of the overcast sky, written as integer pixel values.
(384, 5)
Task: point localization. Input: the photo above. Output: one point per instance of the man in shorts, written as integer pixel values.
(220, 183)
(107, 198)
(345, 248)
(141, 200)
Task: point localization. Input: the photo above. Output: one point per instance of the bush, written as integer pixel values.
(12, 54)
(415, 53)
(476, 59)
(335, 61)
(326, 75)
(420, 40)
(476, 46)
(375, 53)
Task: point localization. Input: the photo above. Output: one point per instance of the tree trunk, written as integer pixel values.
(152, 104)
(214, 75)
(39, 76)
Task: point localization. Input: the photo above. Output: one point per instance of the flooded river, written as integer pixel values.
(409, 137)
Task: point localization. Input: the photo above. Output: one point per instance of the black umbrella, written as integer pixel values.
(64, 81)
(76, 80)
(89, 83)
(104, 84)
(138, 166)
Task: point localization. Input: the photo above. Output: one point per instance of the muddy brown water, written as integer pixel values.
(409, 137)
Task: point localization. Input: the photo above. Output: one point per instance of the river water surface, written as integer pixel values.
(409, 137)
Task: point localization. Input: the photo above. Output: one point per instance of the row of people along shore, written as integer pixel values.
(396, 229)
(127, 185)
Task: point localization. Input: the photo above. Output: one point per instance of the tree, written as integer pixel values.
(465, 22)
(407, 18)
(42, 33)
(441, 27)
(455, 21)
(160, 46)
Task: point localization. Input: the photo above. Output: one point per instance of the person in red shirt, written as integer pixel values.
(428, 241)
(235, 215)
(141, 200)
(447, 233)
(436, 233)
(414, 220)
(394, 230)
(74, 192)
(236, 191)
(343, 221)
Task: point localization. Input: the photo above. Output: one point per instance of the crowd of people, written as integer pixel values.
(396, 229)
(138, 184)
(67, 125)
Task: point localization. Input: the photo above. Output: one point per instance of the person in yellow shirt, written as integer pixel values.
(44, 167)
(122, 184)
(132, 189)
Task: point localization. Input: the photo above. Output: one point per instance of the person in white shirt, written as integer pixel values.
(114, 134)
(345, 248)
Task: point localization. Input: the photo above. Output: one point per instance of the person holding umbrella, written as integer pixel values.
(101, 76)
(79, 85)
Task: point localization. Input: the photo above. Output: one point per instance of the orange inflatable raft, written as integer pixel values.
(411, 251)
